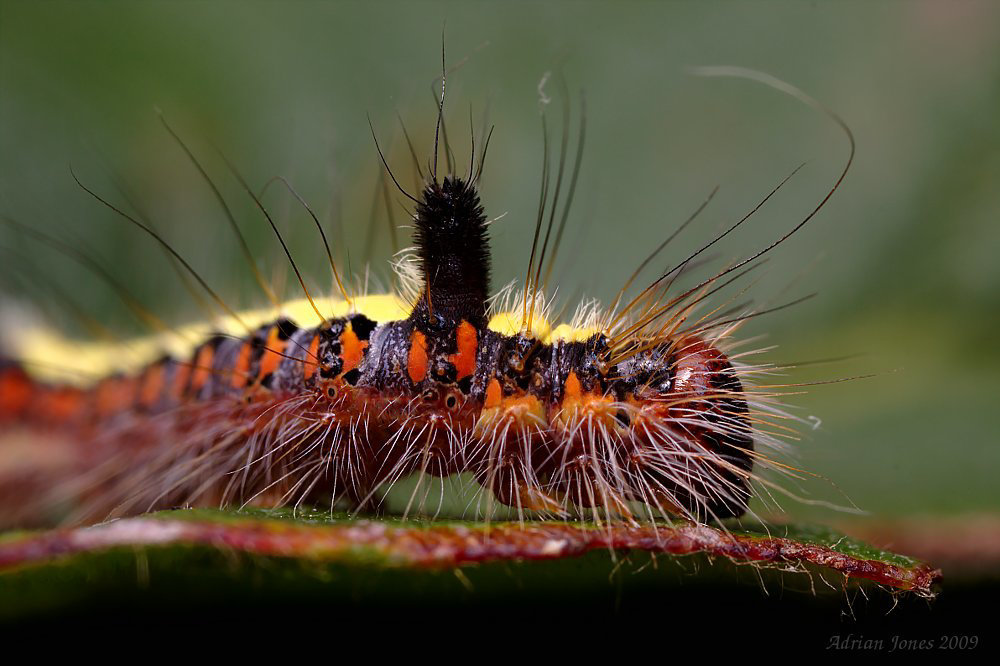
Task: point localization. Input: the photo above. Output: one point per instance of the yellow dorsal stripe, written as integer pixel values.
(49, 356)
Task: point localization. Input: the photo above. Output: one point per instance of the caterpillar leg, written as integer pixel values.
(534, 499)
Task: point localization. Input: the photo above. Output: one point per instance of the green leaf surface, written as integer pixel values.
(314, 555)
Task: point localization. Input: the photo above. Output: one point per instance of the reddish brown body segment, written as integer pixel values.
(532, 447)
(289, 415)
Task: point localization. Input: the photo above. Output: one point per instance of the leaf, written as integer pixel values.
(315, 553)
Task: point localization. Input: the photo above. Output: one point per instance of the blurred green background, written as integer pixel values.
(903, 257)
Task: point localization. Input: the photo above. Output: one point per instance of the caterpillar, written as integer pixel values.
(635, 412)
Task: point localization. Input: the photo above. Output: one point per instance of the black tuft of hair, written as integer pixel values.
(454, 255)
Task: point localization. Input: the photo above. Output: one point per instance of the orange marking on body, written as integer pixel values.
(242, 366)
(572, 386)
(16, 390)
(416, 361)
(312, 360)
(352, 349)
(202, 368)
(61, 404)
(525, 409)
(467, 339)
(114, 394)
(274, 349)
(104, 396)
(578, 405)
(152, 385)
(493, 394)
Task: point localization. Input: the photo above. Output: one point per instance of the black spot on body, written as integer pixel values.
(362, 326)
(443, 371)
(286, 329)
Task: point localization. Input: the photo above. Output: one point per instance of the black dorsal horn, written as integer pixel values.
(454, 255)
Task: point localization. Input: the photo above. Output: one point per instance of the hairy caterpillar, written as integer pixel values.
(633, 412)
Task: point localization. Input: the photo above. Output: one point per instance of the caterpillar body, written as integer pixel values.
(632, 413)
